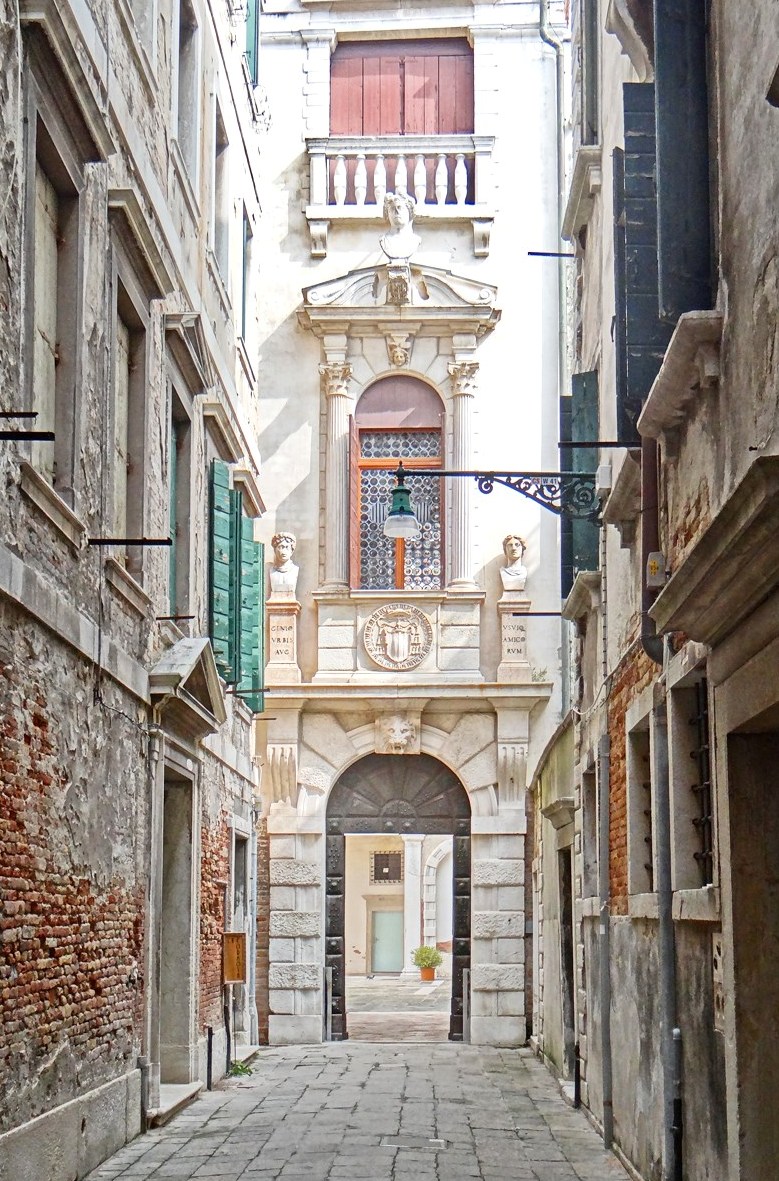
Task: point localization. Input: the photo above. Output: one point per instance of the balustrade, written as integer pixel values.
(356, 172)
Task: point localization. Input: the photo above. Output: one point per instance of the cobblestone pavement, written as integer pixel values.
(357, 1112)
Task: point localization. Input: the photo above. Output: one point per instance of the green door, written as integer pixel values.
(387, 941)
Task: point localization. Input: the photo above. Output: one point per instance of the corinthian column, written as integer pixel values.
(463, 375)
(335, 379)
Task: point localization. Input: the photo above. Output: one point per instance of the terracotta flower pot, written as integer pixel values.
(427, 973)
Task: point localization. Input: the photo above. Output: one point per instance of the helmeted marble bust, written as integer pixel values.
(283, 572)
(513, 575)
(400, 241)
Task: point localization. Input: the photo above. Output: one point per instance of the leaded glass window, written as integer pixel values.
(386, 563)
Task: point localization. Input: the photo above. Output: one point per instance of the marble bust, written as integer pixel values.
(400, 241)
(513, 575)
(283, 572)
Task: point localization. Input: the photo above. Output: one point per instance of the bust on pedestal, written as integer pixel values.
(282, 611)
(512, 605)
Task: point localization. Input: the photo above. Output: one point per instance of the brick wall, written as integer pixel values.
(71, 924)
(214, 877)
(632, 675)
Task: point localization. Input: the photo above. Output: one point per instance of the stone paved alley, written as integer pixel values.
(367, 1112)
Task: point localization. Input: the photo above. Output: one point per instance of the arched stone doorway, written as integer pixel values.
(398, 794)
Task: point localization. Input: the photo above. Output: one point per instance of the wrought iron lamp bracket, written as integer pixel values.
(568, 494)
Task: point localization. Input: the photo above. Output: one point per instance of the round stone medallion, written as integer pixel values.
(398, 636)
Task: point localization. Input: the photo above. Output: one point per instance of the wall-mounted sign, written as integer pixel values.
(234, 957)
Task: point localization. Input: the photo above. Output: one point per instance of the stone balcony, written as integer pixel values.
(450, 176)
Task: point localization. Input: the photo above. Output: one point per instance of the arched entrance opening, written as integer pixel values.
(397, 794)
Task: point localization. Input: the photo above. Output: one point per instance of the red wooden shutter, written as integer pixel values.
(346, 96)
(354, 504)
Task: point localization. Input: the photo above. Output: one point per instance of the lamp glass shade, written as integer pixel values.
(401, 521)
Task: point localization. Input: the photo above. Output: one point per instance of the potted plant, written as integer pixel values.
(427, 960)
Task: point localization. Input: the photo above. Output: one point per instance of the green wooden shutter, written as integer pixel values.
(173, 523)
(252, 14)
(252, 623)
(646, 336)
(225, 570)
(579, 417)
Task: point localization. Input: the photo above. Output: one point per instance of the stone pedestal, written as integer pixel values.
(282, 663)
(514, 664)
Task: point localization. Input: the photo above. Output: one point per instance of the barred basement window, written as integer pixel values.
(702, 822)
(386, 867)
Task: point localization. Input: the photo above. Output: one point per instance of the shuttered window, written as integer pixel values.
(684, 220)
(579, 417)
(236, 606)
(402, 88)
(645, 338)
(252, 38)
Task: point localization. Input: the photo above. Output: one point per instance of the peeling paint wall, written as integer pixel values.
(81, 626)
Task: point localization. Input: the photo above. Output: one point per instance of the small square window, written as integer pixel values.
(386, 867)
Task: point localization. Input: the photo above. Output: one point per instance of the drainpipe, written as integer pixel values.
(650, 543)
(156, 775)
(549, 38)
(604, 762)
(670, 1035)
(254, 1035)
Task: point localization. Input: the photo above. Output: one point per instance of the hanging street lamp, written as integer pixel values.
(568, 494)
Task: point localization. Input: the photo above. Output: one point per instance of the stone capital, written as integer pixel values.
(336, 376)
(464, 376)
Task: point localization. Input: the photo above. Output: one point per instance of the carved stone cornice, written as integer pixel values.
(732, 568)
(585, 185)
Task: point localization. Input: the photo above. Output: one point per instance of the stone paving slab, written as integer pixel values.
(362, 1112)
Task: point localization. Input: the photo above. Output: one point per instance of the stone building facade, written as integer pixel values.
(409, 690)
(656, 948)
(128, 831)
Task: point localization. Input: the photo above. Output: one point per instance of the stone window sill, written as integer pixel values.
(643, 906)
(125, 585)
(697, 906)
(137, 48)
(219, 283)
(51, 505)
(185, 184)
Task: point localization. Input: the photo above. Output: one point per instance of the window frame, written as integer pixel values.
(390, 464)
(51, 147)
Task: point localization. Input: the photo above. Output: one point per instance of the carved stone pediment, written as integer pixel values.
(370, 297)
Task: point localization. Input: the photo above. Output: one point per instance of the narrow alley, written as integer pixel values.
(432, 1112)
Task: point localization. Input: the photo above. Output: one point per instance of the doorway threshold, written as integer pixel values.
(173, 1098)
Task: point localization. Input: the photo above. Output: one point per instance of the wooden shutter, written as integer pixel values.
(252, 38)
(354, 504)
(626, 431)
(579, 416)
(646, 336)
(251, 620)
(223, 598)
(346, 95)
(682, 107)
(422, 87)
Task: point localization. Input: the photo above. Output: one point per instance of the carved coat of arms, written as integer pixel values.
(398, 636)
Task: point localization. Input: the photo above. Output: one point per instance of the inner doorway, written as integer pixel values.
(386, 947)
(397, 801)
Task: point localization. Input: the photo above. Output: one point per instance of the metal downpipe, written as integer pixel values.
(604, 944)
(650, 542)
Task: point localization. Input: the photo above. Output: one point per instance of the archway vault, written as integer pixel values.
(397, 794)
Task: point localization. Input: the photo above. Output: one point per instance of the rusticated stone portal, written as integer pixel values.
(398, 794)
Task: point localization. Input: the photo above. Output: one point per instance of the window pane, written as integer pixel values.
(422, 562)
(377, 552)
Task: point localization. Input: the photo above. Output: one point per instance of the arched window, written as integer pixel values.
(396, 418)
